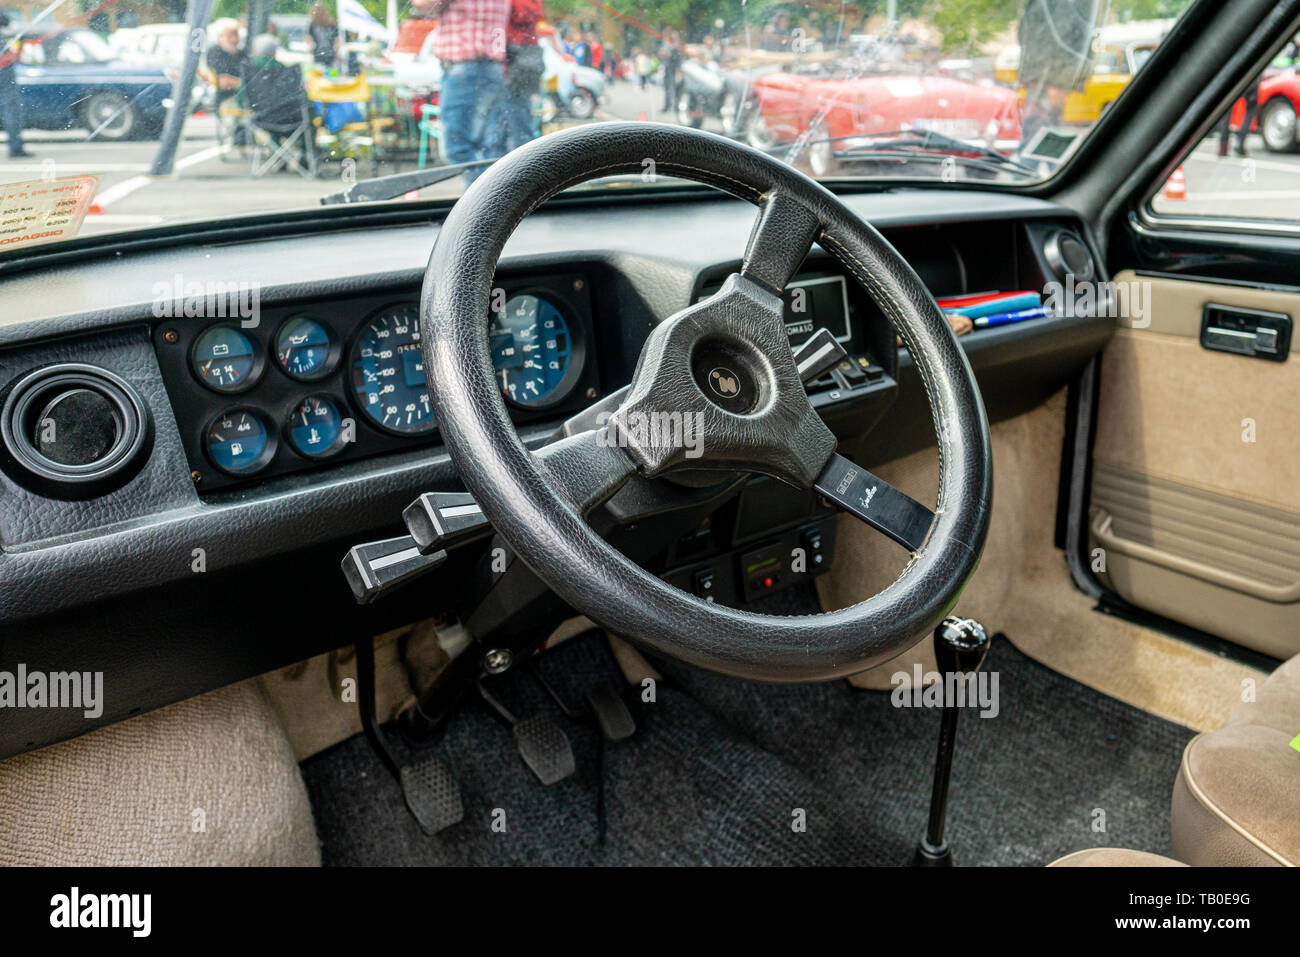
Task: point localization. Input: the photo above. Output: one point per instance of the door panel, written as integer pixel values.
(1195, 500)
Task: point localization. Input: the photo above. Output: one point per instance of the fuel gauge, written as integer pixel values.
(239, 443)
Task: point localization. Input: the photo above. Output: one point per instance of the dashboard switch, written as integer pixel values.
(812, 546)
(703, 583)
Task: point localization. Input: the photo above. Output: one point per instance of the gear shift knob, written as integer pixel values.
(960, 645)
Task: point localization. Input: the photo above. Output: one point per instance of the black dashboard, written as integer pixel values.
(197, 563)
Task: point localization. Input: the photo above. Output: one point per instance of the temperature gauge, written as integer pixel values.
(315, 427)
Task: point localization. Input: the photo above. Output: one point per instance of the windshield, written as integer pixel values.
(274, 105)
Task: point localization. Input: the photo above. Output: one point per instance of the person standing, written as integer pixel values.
(1251, 96)
(324, 32)
(11, 105)
(471, 44)
(524, 70)
(641, 64)
(671, 55)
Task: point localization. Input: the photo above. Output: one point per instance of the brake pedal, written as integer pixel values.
(611, 713)
(432, 794)
(545, 748)
(542, 744)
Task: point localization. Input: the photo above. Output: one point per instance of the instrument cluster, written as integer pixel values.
(325, 381)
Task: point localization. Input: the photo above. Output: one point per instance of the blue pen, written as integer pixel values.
(1002, 318)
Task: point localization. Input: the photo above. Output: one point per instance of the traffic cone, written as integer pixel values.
(1176, 188)
(641, 117)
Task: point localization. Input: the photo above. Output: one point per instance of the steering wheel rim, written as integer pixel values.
(536, 501)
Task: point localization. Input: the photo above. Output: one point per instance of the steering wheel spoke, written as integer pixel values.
(871, 499)
(586, 468)
(783, 233)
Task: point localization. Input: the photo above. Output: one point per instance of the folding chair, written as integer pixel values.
(341, 106)
(280, 129)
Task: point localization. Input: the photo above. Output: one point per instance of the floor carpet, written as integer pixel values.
(728, 772)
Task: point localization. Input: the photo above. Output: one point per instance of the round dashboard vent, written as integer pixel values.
(1068, 255)
(73, 430)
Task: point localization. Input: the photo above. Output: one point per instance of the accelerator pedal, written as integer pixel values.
(610, 712)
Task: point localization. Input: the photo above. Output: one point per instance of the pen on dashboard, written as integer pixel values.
(1002, 318)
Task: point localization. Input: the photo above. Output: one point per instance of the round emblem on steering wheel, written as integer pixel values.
(724, 382)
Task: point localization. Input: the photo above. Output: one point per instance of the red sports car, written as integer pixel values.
(1279, 104)
(831, 112)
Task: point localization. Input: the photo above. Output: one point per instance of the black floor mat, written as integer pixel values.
(720, 771)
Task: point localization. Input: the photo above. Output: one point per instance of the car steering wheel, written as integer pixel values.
(726, 362)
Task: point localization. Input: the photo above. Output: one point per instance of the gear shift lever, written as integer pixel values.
(960, 645)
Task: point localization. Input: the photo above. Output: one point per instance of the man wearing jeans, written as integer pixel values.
(471, 43)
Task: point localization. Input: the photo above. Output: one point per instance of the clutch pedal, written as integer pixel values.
(428, 785)
(432, 794)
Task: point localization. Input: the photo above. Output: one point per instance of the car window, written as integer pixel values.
(1248, 165)
(965, 92)
(1109, 60)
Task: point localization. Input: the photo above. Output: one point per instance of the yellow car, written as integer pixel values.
(1113, 67)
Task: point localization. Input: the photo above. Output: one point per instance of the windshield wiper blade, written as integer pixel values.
(910, 144)
(930, 140)
(398, 184)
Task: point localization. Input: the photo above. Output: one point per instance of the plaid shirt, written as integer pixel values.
(471, 29)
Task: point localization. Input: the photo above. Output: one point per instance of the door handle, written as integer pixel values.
(1246, 332)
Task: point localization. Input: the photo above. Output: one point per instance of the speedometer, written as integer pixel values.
(531, 351)
(388, 372)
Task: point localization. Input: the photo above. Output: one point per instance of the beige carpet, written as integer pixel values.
(1022, 587)
(208, 781)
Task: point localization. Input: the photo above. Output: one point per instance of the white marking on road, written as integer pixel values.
(128, 186)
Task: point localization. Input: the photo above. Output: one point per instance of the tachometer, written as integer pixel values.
(531, 350)
(388, 372)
